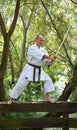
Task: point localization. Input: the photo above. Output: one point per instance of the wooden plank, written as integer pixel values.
(66, 127)
(38, 123)
(69, 107)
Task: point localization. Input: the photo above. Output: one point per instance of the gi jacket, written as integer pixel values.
(35, 57)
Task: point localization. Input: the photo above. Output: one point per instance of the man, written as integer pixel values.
(37, 56)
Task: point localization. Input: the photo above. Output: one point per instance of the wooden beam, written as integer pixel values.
(38, 123)
(69, 107)
(66, 115)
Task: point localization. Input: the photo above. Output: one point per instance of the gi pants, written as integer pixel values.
(25, 78)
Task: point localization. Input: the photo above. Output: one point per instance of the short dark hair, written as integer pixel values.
(38, 36)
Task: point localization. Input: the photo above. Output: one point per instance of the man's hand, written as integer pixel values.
(50, 62)
(53, 58)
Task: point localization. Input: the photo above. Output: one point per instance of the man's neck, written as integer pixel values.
(38, 45)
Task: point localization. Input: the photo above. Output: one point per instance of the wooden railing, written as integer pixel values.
(62, 109)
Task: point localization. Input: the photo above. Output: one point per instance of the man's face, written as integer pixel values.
(40, 41)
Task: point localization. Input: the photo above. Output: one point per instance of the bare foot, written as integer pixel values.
(49, 100)
(10, 101)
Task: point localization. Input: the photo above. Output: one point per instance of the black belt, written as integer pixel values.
(35, 66)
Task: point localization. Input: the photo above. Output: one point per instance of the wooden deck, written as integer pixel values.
(69, 107)
(63, 108)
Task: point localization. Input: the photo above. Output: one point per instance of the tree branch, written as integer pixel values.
(57, 32)
(2, 25)
(51, 20)
(70, 86)
(30, 18)
(73, 2)
(15, 19)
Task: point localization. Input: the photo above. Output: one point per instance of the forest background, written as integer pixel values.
(20, 22)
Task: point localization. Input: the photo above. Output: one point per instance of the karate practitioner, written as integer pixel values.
(33, 71)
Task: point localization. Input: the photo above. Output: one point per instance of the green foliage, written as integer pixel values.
(33, 92)
(62, 15)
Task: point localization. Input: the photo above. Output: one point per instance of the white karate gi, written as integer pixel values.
(35, 55)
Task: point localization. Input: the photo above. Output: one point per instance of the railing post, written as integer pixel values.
(66, 127)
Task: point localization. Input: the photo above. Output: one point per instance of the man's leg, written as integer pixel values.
(48, 87)
(47, 99)
(18, 89)
(10, 101)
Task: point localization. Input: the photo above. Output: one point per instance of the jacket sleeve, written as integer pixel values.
(36, 53)
(44, 61)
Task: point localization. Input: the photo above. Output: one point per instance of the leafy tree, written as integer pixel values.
(6, 38)
(46, 17)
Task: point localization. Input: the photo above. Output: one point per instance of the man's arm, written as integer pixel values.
(49, 58)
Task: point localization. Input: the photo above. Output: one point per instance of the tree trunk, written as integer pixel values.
(3, 68)
(12, 68)
(2, 90)
(5, 53)
(25, 27)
